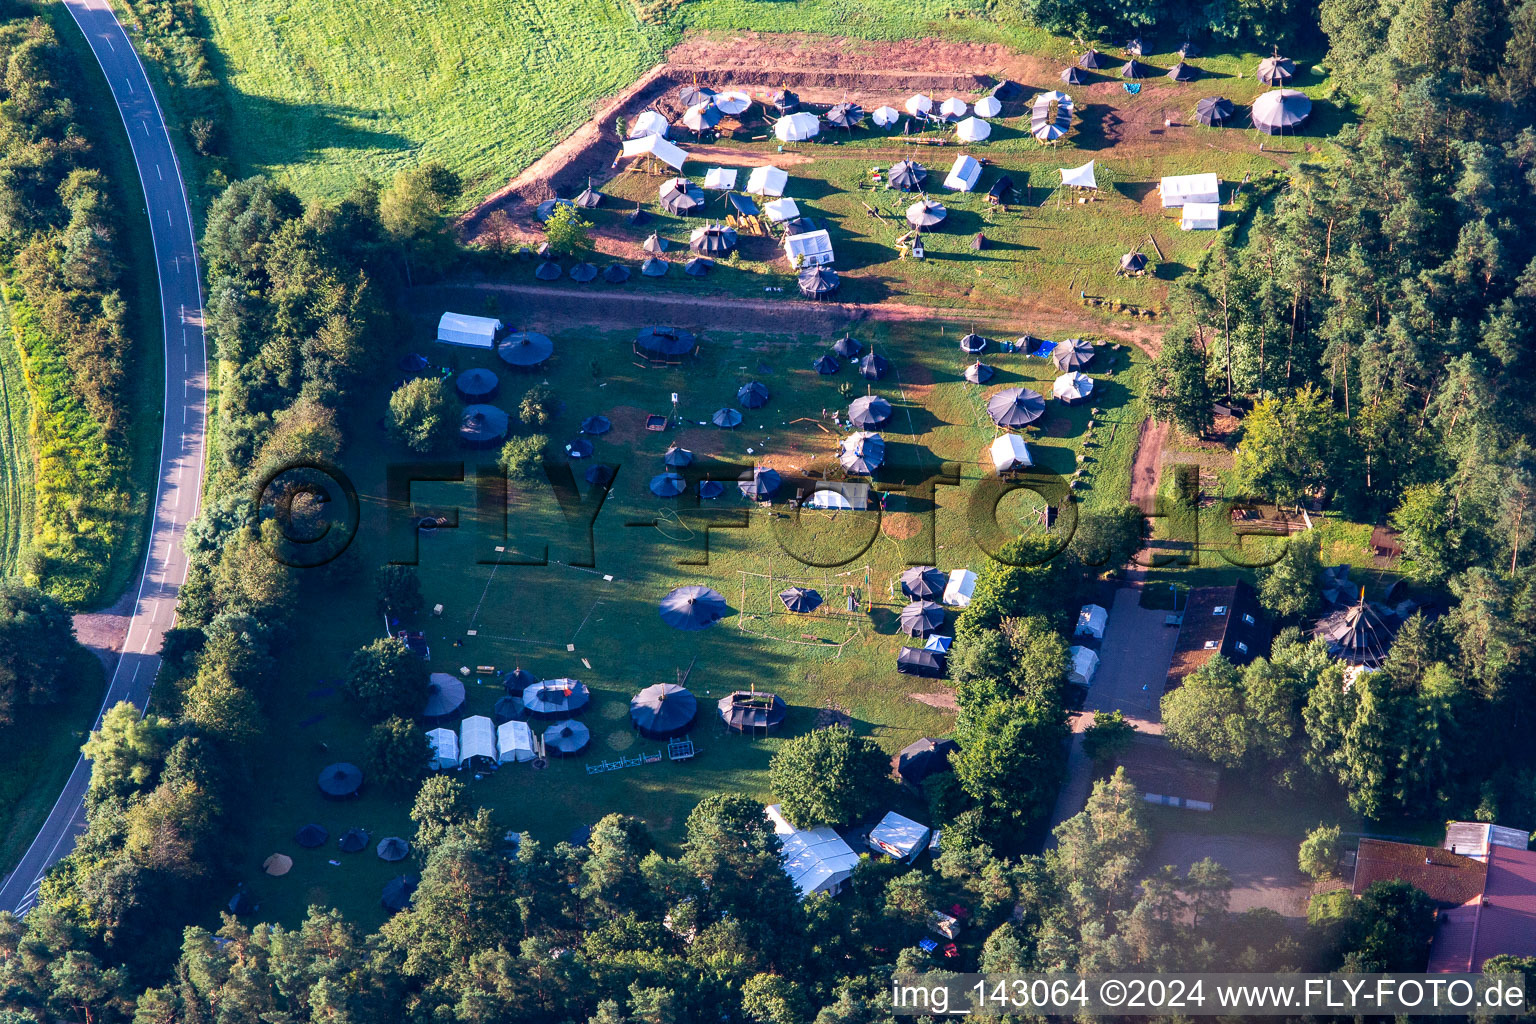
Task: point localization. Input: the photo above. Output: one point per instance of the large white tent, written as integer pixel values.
(954, 108)
(816, 859)
(813, 248)
(972, 129)
(720, 179)
(445, 749)
(781, 210)
(919, 105)
(658, 148)
(965, 172)
(477, 738)
(797, 127)
(959, 588)
(1178, 189)
(988, 106)
(900, 837)
(649, 123)
(1085, 663)
(1079, 177)
(1200, 217)
(467, 330)
(514, 741)
(1009, 452)
(1091, 620)
(732, 102)
(1072, 387)
(884, 117)
(767, 181)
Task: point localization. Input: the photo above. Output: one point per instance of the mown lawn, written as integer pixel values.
(525, 615)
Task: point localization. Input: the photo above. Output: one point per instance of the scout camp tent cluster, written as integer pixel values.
(816, 859)
(1045, 127)
(480, 741)
(1085, 663)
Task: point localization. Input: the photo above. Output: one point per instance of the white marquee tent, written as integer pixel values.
(477, 738)
(1091, 620)
(817, 859)
(919, 105)
(649, 123)
(1178, 189)
(1085, 663)
(732, 102)
(467, 330)
(884, 117)
(837, 496)
(814, 248)
(972, 129)
(965, 172)
(445, 749)
(781, 210)
(657, 147)
(954, 108)
(1079, 177)
(1200, 217)
(514, 741)
(961, 585)
(797, 127)
(720, 179)
(988, 106)
(900, 837)
(1010, 452)
(767, 181)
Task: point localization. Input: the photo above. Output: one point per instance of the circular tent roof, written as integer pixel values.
(713, 239)
(525, 349)
(954, 108)
(1072, 354)
(341, 780)
(1015, 407)
(581, 273)
(1280, 111)
(923, 581)
(884, 117)
(567, 738)
(921, 618)
(1093, 60)
(616, 273)
(926, 213)
(311, 836)
(518, 680)
(547, 270)
(698, 266)
(869, 411)
(918, 104)
(747, 710)
(845, 115)
(847, 346)
(445, 695)
(816, 282)
(974, 343)
(874, 366)
(689, 95)
(1072, 387)
(862, 452)
(665, 342)
(654, 267)
(353, 840)
(1276, 70)
(476, 385)
(800, 599)
(654, 244)
(972, 129)
(701, 116)
(1214, 111)
(676, 456)
(580, 448)
(506, 709)
(797, 127)
(667, 485)
(397, 892)
(733, 101)
(681, 197)
(988, 106)
(761, 485)
(662, 711)
(752, 395)
(711, 488)
(727, 418)
(978, 372)
(595, 425)
(393, 849)
(556, 697)
(482, 425)
(907, 175)
(277, 865)
(599, 475)
(692, 608)
(826, 364)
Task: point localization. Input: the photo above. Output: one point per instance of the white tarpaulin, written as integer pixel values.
(445, 749)
(1085, 663)
(477, 738)
(972, 129)
(767, 181)
(1010, 452)
(649, 123)
(811, 249)
(514, 740)
(1178, 189)
(1200, 217)
(781, 210)
(464, 329)
(1079, 177)
(721, 179)
(797, 127)
(899, 837)
(816, 859)
(965, 172)
(657, 147)
(957, 592)
(1091, 620)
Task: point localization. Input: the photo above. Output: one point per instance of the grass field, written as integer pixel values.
(16, 483)
(526, 615)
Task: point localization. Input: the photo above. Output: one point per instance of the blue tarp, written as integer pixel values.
(1045, 350)
(1132, 87)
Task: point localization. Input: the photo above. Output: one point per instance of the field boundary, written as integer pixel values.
(16, 465)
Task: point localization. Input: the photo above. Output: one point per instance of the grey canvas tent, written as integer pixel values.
(923, 581)
(907, 175)
(312, 836)
(353, 840)
(750, 711)
(668, 485)
(869, 411)
(445, 696)
(396, 895)
(663, 711)
(1015, 407)
(1072, 354)
(682, 198)
(595, 425)
(921, 618)
(848, 347)
(800, 599)
(1280, 111)
(862, 452)
(556, 698)
(916, 661)
(818, 282)
(476, 385)
(1135, 69)
(874, 366)
(726, 418)
(974, 343)
(665, 343)
(978, 372)
(341, 780)
(677, 457)
(692, 607)
(761, 485)
(566, 739)
(1276, 70)
(752, 395)
(525, 349)
(1214, 111)
(914, 762)
(826, 364)
(482, 426)
(1093, 60)
(393, 849)
(1182, 72)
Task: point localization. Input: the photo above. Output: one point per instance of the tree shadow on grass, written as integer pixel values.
(301, 131)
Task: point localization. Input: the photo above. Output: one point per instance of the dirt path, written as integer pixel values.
(104, 631)
(1147, 467)
(539, 304)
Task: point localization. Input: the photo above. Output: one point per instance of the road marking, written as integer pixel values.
(158, 174)
(145, 126)
(127, 81)
(145, 643)
(168, 220)
(109, 42)
(136, 666)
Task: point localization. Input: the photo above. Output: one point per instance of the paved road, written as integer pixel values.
(178, 488)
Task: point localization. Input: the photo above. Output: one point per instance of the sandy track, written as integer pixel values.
(1147, 467)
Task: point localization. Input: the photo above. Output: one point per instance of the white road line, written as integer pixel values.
(127, 81)
(145, 643)
(158, 174)
(136, 666)
(108, 38)
(168, 221)
(145, 126)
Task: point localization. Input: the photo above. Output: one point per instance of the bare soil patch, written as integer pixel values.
(944, 700)
(901, 525)
(1263, 868)
(830, 716)
(1147, 467)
